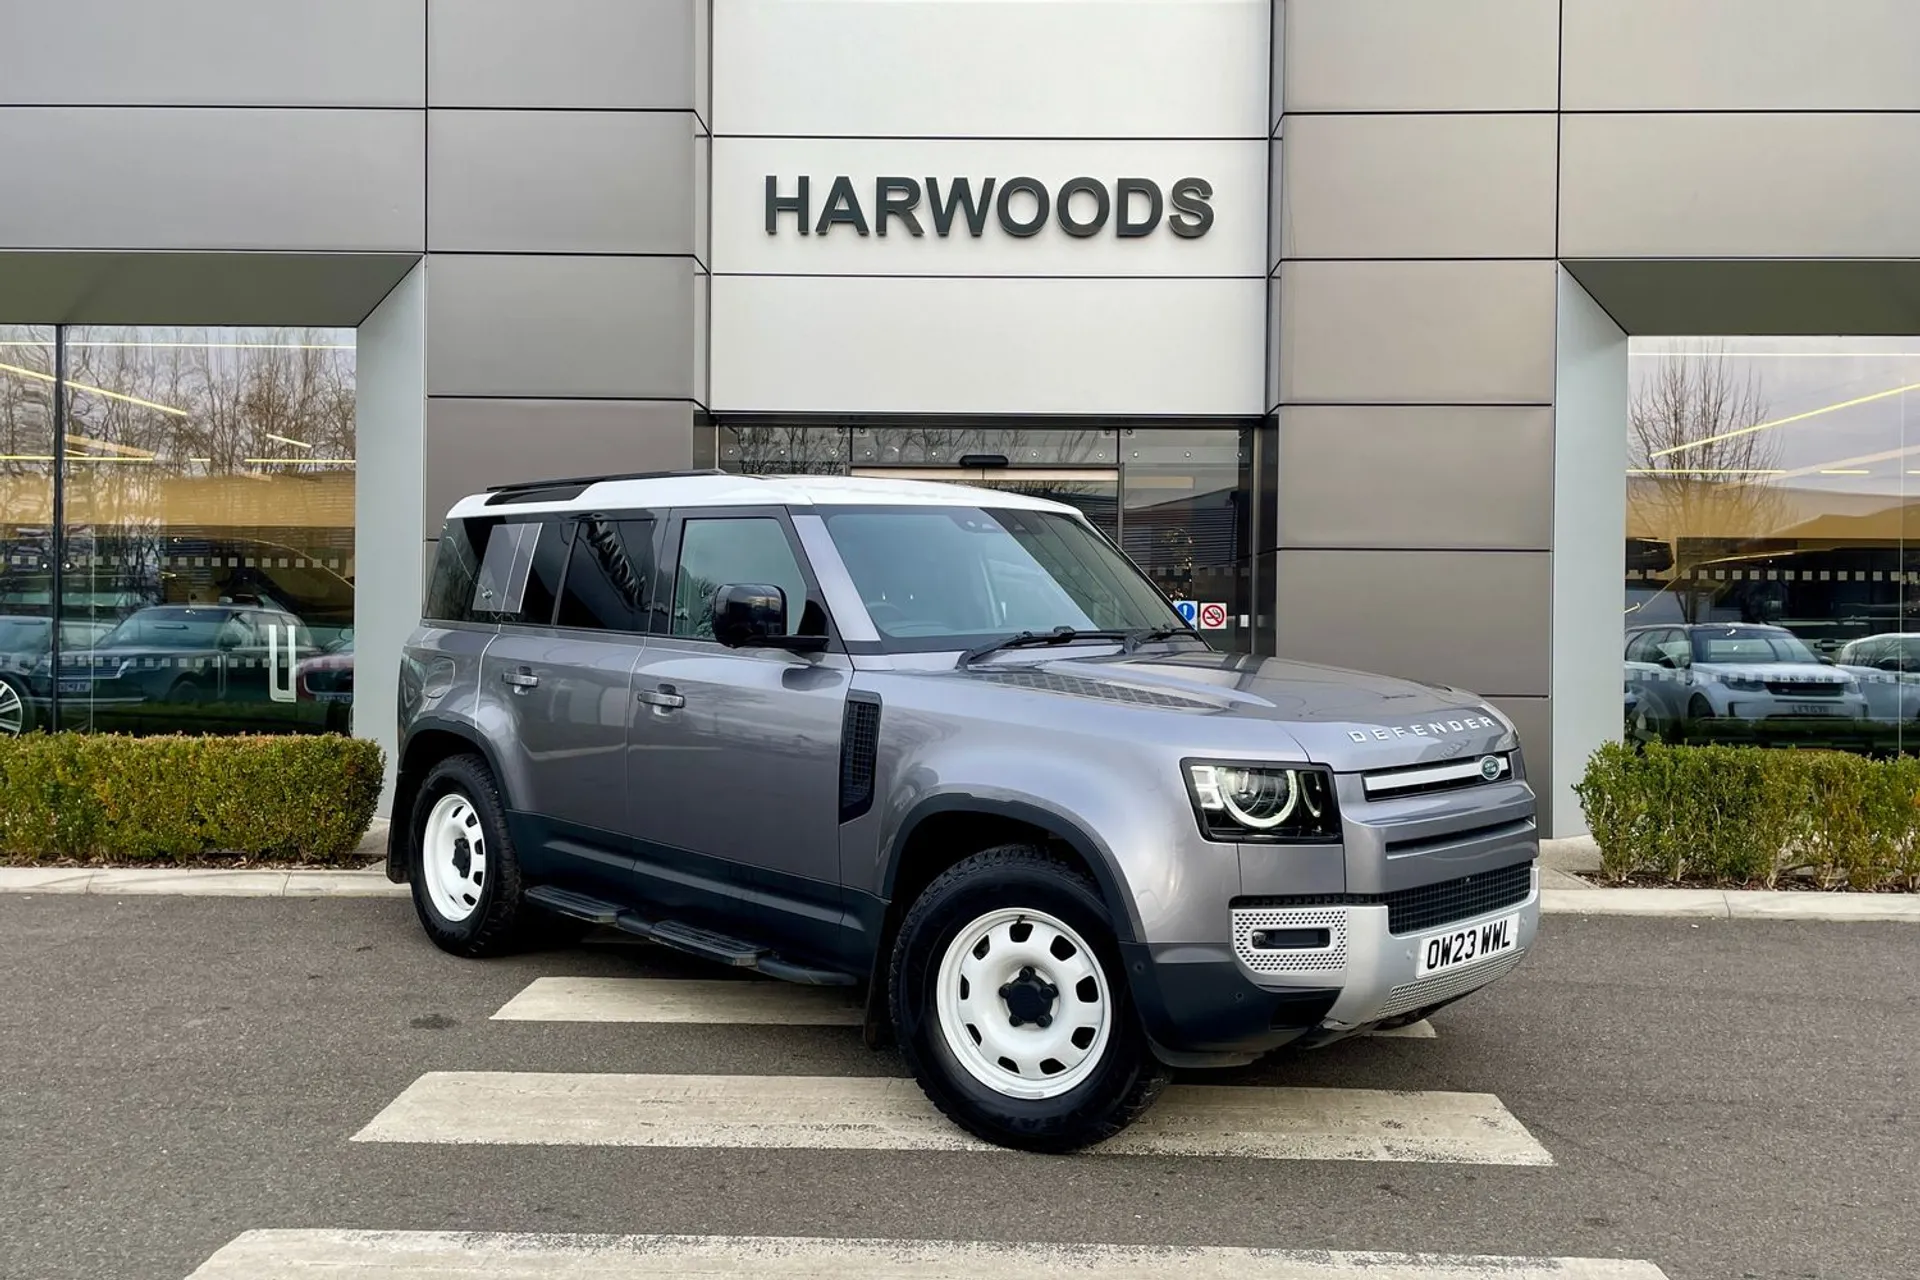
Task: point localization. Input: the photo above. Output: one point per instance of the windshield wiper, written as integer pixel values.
(1131, 639)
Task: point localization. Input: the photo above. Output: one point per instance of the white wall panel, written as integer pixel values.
(992, 68)
(1232, 245)
(890, 345)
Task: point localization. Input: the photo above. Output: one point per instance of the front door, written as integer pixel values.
(734, 759)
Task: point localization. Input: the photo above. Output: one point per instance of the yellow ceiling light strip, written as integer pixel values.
(1798, 417)
(298, 444)
(98, 391)
(1705, 471)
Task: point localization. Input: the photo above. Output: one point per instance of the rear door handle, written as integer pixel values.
(521, 679)
(664, 696)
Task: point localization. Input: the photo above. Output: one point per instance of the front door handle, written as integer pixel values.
(664, 696)
(521, 680)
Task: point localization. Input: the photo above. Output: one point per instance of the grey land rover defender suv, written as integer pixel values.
(951, 746)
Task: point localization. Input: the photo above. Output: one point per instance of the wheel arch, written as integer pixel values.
(941, 831)
(429, 741)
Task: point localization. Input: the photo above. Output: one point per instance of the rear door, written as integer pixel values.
(734, 764)
(555, 701)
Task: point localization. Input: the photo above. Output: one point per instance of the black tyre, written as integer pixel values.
(1011, 1005)
(465, 877)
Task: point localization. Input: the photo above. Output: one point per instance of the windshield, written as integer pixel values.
(951, 577)
(1736, 645)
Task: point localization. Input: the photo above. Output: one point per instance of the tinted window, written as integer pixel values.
(609, 576)
(719, 553)
(520, 572)
(456, 568)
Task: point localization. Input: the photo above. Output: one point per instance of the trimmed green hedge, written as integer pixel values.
(83, 797)
(1750, 816)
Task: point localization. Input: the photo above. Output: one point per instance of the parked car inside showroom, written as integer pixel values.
(1687, 676)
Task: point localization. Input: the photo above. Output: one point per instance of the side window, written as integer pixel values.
(453, 586)
(721, 552)
(609, 576)
(1644, 647)
(520, 573)
(1677, 645)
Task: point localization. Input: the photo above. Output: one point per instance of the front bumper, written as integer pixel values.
(1201, 1003)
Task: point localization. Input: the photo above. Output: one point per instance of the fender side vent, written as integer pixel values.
(859, 754)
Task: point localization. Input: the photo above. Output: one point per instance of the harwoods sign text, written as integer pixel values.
(1083, 206)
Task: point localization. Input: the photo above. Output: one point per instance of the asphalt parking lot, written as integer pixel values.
(1718, 1098)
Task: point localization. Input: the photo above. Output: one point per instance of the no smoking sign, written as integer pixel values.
(1207, 617)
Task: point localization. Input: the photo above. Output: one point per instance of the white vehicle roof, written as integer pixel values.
(698, 489)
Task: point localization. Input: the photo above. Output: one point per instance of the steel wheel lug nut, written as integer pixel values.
(1045, 1020)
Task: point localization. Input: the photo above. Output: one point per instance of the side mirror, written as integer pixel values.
(748, 613)
(754, 615)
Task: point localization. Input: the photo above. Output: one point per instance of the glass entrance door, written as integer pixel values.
(1094, 490)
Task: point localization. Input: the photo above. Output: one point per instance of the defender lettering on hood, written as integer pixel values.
(1432, 728)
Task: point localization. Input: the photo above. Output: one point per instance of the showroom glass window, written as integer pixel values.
(1771, 489)
(205, 543)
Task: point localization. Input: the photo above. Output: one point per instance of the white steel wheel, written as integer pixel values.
(453, 853)
(1023, 1004)
(13, 711)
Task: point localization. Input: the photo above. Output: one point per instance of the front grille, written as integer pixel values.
(1805, 688)
(1432, 905)
(1427, 907)
(1426, 779)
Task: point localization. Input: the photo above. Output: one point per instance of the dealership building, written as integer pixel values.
(1429, 337)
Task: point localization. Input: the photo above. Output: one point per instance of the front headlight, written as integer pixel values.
(1744, 684)
(1264, 803)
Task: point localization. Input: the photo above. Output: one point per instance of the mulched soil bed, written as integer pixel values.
(1786, 884)
(199, 864)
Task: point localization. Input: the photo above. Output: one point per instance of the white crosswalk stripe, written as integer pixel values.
(766, 1003)
(876, 1114)
(870, 1113)
(717, 1001)
(429, 1255)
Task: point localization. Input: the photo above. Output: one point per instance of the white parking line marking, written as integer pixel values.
(1421, 1030)
(875, 1114)
(435, 1255)
(762, 1001)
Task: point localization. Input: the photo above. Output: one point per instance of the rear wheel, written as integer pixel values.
(465, 876)
(1011, 1006)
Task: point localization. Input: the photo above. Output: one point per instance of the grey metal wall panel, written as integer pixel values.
(202, 53)
(1476, 619)
(243, 178)
(1417, 332)
(327, 290)
(561, 53)
(1420, 186)
(1757, 185)
(560, 326)
(1533, 720)
(1276, 203)
(471, 444)
(562, 181)
(1732, 55)
(1460, 478)
(1418, 55)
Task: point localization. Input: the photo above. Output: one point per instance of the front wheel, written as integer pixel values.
(1011, 1007)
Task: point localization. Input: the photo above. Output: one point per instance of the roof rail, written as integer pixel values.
(573, 486)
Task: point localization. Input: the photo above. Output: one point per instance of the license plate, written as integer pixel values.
(1808, 709)
(76, 686)
(1440, 952)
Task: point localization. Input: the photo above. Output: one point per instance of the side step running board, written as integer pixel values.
(691, 939)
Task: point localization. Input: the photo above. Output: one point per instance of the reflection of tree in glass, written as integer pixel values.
(1686, 421)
